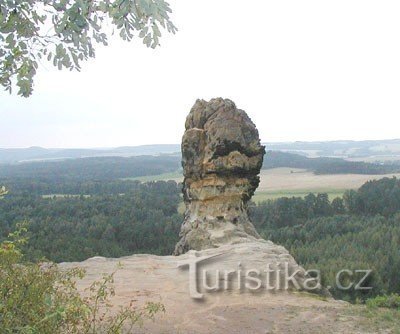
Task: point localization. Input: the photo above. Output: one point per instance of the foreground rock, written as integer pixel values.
(163, 279)
(221, 159)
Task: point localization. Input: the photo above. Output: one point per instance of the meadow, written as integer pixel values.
(288, 182)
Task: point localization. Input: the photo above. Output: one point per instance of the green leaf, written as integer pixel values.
(25, 34)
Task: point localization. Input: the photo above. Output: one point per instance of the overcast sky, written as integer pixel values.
(302, 70)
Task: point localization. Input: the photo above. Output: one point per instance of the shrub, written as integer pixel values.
(41, 298)
(387, 301)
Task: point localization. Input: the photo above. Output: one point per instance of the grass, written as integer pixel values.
(376, 320)
(176, 176)
(388, 301)
(260, 196)
(287, 182)
(279, 182)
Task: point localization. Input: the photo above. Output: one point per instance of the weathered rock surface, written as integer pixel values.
(144, 278)
(221, 159)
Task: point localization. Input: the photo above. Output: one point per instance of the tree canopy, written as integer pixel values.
(65, 32)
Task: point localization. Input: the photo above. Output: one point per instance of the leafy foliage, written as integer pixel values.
(65, 32)
(387, 301)
(40, 298)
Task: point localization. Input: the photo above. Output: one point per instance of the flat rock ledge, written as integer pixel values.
(228, 308)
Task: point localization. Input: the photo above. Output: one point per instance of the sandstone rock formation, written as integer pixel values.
(221, 159)
(142, 278)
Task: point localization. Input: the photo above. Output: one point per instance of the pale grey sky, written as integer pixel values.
(303, 70)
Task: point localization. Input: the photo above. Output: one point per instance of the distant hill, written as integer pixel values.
(97, 168)
(371, 150)
(323, 165)
(376, 149)
(40, 153)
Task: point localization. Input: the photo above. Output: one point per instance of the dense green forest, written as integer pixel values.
(360, 231)
(142, 220)
(100, 214)
(69, 187)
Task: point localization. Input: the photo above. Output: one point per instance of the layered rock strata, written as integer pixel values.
(221, 158)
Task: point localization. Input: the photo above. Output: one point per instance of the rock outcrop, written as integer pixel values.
(225, 279)
(142, 278)
(221, 159)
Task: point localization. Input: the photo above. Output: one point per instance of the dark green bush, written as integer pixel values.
(39, 298)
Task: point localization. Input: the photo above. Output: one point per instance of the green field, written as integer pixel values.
(290, 182)
(175, 176)
(260, 196)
